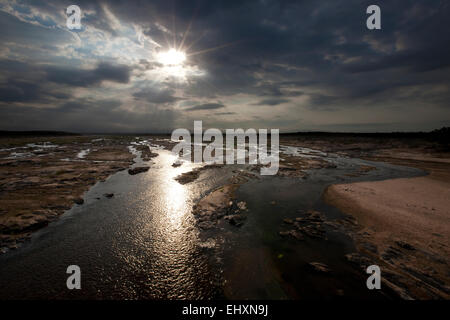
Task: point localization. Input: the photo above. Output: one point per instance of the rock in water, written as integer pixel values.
(242, 205)
(78, 201)
(235, 219)
(137, 170)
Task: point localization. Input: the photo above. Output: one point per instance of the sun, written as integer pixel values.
(172, 57)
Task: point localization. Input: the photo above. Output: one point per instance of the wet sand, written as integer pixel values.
(408, 220)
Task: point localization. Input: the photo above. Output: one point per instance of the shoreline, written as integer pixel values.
(403, 225)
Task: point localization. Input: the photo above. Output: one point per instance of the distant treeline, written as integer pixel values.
(442, 135)
(35, 133)
(438, 134)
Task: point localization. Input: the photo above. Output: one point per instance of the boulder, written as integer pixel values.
(138, 170)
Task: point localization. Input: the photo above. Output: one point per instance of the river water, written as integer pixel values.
(143, 243)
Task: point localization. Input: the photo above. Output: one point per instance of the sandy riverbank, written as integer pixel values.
(408, 221)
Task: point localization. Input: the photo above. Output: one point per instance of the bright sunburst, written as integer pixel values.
(172, 57)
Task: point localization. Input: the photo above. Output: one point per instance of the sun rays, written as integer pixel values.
(174, 57)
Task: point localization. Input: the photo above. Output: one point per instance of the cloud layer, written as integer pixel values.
(292, 65)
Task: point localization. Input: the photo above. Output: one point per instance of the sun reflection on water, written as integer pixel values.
(162, 236)
(174, 194)
(176, 199)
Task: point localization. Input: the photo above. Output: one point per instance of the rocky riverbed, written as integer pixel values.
(260, 236)
(41, 178)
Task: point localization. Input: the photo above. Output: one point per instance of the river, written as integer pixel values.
(143, 242)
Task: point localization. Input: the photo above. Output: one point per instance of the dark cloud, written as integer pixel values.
(156, 95)
(271, 102)
(88, 77)
(305, 54)
(105, 116)
(206, 106)
(18, 90)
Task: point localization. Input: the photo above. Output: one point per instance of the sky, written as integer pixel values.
(290, 65)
